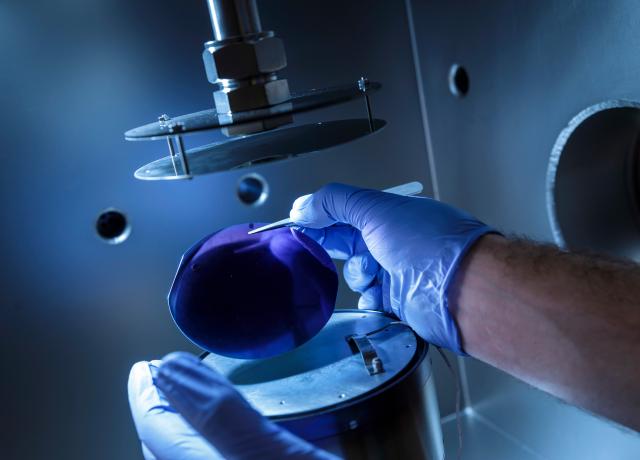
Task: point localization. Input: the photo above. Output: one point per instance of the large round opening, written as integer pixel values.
(593, 181)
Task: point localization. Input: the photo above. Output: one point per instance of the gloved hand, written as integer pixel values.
(183, 410)
(401, 252)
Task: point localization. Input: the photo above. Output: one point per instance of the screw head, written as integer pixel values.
(377, 365)
(176, 127)
(163, 119)
(363, 84)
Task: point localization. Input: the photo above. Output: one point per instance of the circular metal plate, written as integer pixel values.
(323, 372)
(210, 119)
(261, 148)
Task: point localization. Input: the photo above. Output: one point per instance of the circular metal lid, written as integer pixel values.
(210, 119)
(334, 368)
(261, 148)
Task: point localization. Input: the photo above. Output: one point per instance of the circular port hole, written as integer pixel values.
(253, 189)
(593, 181)
(112, 226)
(458, 80)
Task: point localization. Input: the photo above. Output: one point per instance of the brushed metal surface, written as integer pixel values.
(270, 146)
(325, 371)
(323, 391)
(481, 439)
(77, 313)
(208, 119)
(532, 67)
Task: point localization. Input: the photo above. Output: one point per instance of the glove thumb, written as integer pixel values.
(337, 203)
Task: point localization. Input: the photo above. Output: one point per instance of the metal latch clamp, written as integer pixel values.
(363, 345)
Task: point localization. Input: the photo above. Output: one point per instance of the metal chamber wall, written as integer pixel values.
(531, 67)
(77, 313)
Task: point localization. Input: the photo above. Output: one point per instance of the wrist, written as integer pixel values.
(472, 283)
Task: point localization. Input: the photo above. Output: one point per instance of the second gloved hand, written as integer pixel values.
(401, 252)
(183, 410)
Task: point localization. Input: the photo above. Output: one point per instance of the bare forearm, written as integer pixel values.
(568, 324)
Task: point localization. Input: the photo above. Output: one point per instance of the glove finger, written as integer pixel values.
(360, 270)
(340, 241)
(213, 407)
(303, 212)
(338, 203)
(164, 434)
(146, 453)
(371, 299)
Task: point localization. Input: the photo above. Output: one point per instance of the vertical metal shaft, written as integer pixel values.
(172, 153)
(183, 156)
(369, 115)
(363, 86)
(234, 18)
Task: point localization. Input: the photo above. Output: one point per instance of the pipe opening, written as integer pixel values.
(593, 189)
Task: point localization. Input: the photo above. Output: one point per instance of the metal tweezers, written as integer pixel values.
(408, 189)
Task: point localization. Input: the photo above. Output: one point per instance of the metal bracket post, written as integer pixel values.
(363, 345)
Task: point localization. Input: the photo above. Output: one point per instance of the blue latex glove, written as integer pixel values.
(183, 410)
(401, 252)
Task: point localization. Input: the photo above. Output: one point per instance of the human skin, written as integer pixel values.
(566, 323)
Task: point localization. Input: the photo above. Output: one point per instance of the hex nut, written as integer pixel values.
(251, 97)
(257, 126)
(243, 59)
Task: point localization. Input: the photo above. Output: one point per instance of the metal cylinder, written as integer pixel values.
(242, 61)
(362, 388)
(402, 421)
(234, 18)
